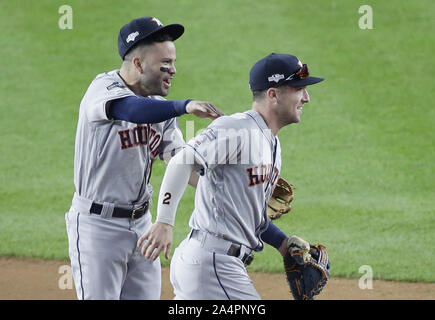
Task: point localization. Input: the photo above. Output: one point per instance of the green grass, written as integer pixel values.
(362, 159)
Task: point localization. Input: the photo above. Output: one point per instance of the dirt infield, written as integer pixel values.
(31, 279)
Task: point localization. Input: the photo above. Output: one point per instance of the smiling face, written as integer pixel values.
(289, 103)
(152, 80)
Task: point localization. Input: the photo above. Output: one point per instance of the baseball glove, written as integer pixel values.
(279, 202)
(307, 272)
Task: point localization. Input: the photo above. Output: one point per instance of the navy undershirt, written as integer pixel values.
(273, 236)
(146, 110)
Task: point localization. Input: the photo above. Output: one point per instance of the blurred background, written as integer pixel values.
(362, 158)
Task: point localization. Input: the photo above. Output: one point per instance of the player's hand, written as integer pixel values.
(155, 240)
(203, 109)
(299, 249)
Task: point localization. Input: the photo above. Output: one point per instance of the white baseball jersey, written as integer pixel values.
(112, 167)
(241, 161)
(113, 157)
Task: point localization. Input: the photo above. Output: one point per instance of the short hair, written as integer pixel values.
(158, 37)
(259, 95)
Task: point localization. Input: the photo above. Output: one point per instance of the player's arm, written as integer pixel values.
(177, 174)
(275, 237)
(194, 177)
(295, 245)
(147, 110)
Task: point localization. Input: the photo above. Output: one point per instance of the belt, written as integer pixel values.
(213, 242)
(134, 214)
(234, 251)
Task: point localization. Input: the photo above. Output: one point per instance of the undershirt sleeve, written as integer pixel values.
(146, 110)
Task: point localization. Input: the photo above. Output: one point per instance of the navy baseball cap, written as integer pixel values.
(276, 70)
(141, 28)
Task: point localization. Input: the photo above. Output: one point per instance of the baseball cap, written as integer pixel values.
(141, 28)
(277, 69)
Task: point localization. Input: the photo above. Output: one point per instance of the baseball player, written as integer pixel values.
(239, 160)
(124, 125)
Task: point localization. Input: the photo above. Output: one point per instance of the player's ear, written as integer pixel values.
(138, 64)
(271, 93)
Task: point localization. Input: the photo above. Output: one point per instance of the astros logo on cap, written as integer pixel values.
(157, 21)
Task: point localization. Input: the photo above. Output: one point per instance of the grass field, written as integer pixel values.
(362, 159)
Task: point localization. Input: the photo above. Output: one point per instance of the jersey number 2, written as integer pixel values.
(167, 198)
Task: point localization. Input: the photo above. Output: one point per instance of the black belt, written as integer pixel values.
(134, 214)
(234, 251)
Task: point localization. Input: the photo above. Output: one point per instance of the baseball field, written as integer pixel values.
(362, 159)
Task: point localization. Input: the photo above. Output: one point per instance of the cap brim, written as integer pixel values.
(305, 82)
(174, 30)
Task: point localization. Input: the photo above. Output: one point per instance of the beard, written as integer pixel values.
(152, 84)
(154, 87)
